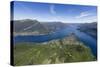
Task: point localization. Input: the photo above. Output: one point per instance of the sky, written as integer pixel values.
(49, 12)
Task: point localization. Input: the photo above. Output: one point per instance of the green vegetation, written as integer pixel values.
(64, 50)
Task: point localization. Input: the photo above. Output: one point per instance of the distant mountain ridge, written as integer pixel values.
(36, 27)
(89, 28)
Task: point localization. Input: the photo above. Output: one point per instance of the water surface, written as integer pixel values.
(85, 38)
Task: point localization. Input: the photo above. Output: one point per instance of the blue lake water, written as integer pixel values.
(85, 38)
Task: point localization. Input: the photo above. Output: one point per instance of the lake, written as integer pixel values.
(85, 38)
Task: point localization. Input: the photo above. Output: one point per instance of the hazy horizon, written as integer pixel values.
(54, 21)
(54, 12)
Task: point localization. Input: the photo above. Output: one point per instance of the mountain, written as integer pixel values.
(68, 49)
(89, 28)
(53, 26)
(28, 26)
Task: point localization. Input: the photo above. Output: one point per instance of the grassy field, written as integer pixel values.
(52, 52)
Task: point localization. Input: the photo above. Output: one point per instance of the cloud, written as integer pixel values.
(83, 14)
(52, 9)
(91, 19)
